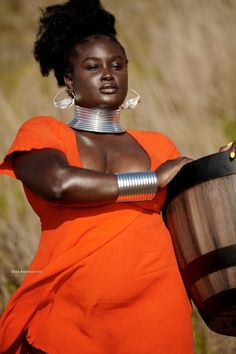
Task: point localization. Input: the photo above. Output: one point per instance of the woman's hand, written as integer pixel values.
(169, 169)
(231, 147)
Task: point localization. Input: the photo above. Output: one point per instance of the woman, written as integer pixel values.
(104, 279)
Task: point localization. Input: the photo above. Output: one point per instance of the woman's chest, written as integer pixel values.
(111, 153)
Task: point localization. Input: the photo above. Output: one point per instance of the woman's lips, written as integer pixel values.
(108, 89)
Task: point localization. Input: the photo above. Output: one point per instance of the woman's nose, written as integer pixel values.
(107, 74)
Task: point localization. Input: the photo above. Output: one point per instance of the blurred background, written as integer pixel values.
(182, 62)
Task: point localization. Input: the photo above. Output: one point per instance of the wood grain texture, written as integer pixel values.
(202, 223)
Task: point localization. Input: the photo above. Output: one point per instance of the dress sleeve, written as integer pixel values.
(35, 134)
(173, 152)
(166, 148)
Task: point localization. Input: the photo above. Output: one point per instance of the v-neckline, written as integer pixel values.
(132, 133)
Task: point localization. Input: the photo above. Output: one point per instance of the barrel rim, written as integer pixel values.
(218, 308)
(201, 170)
(208, 263)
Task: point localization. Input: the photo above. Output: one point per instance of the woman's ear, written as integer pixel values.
(68, 81)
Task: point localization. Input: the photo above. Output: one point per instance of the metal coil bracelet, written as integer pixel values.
(136, 186)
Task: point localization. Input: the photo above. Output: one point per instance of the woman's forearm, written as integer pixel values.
(85, 187)
(47, 173)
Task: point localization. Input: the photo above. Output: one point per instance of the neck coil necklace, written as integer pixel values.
(96, 120)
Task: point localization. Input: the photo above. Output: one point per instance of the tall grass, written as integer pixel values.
(182, 61)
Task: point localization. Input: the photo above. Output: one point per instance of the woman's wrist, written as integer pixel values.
(136, 186)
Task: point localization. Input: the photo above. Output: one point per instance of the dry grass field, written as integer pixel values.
(181, 60)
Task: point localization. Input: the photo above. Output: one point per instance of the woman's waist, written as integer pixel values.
(63, 215)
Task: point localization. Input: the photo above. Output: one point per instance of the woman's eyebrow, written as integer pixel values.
(90, 58)
(97, 59)
(118, 57)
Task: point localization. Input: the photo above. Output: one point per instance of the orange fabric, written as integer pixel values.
(104, 279)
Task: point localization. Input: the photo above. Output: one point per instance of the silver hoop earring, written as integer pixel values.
(132, 102)
(65, 102)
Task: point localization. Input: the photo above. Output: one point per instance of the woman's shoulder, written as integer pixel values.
(44, 121)
(155, 136)
(43, 127)
(38, 132)
(156, 141)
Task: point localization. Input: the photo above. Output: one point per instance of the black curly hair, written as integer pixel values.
(63, 26)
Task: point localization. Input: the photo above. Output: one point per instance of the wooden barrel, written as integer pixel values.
(200, 213)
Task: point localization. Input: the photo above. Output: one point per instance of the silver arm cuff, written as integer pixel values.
(136, 186)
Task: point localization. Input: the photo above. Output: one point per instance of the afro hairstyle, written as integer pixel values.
(63, 26)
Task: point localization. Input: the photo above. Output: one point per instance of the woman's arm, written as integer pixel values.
(47, 173)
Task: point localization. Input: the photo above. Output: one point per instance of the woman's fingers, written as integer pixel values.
(232, 153)
(231, 147)
(169, 169)
(184, 160)
(226, 147)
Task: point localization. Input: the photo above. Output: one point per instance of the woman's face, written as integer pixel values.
(99, 77)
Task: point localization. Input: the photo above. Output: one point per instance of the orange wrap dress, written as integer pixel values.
(104, 279)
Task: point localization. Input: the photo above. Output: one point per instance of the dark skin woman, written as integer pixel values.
(99, 78)
(105, 278)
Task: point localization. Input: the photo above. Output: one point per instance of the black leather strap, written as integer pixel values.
(210, 262)
(201, 170)
(219, 312)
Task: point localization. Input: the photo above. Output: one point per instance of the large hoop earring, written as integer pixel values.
(132, 102)
(65, 102)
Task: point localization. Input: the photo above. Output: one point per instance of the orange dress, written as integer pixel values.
(104, 279)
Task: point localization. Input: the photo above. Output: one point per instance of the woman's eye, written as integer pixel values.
(117, 66)
(91, 67)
